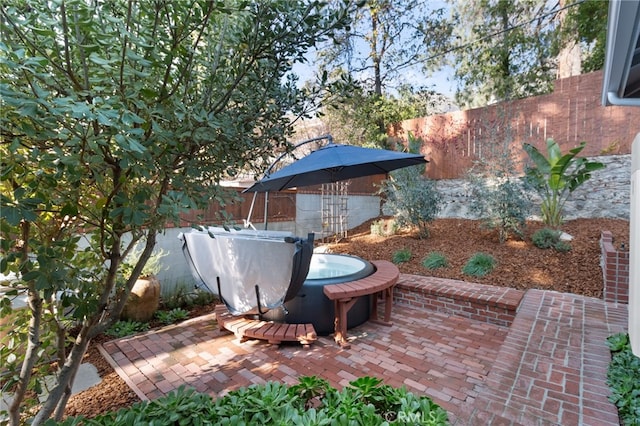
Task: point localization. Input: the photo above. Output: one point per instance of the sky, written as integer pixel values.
(440, 81)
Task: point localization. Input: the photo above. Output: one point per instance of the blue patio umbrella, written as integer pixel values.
(333, 163)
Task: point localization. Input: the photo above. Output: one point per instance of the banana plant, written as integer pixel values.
(556, 176)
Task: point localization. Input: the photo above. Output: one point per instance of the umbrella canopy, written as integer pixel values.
(333, 163)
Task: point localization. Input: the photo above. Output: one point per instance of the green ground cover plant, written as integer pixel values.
(171, 316)
(435, 260)
(365, 401)
(550, 238)
(623, 378)
(401, 256)
(126, 328)
(479, 265)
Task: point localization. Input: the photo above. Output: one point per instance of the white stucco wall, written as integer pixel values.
(634, 250)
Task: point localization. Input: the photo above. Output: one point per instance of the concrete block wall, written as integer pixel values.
(615, 270)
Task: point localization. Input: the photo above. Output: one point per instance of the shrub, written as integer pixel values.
(556, 176)
(562, 246)
(401, 256)
(479, 265)
(174, 315)
(623, 379)
(502, 206)
(126, 328)
(435, 260)
(412, 199)
(550, 238)
(365, 401)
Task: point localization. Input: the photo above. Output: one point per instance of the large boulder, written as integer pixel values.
(143, 301)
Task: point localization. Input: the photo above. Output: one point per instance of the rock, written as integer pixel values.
(565, 237)
(143, 301)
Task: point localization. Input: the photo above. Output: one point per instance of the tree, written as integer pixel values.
(387, 40)
(117, 117)
(586, 25)
(556, 176)
(354, 119)
(506, 50)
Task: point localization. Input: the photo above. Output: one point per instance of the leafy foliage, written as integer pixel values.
(172, 316)
(366, 401)
(587, 24)
(506, 50)
(412, 198)
(385, 38)
(550, 238)
(117, 118)
(556, 176)
(623, 378)
(435, 260)
(479, 265)
(401, 256)
(126, 328)
(501, 205)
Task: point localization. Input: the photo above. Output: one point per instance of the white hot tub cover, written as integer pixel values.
(251, 271)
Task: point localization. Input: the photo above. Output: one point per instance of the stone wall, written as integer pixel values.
(606, 194)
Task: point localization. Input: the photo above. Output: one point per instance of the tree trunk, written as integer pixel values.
(55, 400)
(31, 355)
(33, 343)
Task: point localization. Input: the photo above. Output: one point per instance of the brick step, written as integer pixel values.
(273, 332)
(552, 365)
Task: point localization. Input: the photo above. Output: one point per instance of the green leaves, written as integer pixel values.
(623, 378)
(118, 117)
(556, 176)
(366, 401)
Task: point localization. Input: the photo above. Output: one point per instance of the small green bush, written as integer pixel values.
(623, 379)
(435, 260)
(562, 246)
(412, 199)
(502, 206)
(126, 328)
(365, 401)
(172, 316)
(479, 265)
(401, 256)
(546, 238)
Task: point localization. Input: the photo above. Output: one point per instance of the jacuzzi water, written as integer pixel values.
(333, 266)
(311, 305)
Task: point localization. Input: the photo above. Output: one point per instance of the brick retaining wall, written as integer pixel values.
(615, 270)
(492, 304)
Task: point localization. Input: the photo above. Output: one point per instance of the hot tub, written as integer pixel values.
(311, 305)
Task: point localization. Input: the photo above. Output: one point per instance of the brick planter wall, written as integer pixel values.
(615, 270)
(495, 305)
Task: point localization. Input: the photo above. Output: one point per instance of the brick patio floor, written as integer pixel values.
(547, 368)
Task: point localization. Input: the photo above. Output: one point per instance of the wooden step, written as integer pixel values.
(273, 332)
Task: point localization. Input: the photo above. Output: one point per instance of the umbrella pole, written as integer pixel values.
(266, 208)
(247, 221)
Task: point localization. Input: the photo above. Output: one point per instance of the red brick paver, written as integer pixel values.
(552, 367)
(549, 367)
(442, 356)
